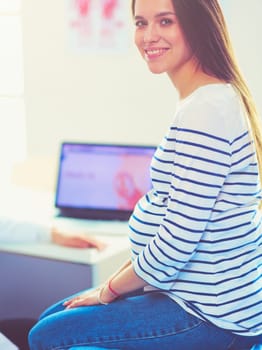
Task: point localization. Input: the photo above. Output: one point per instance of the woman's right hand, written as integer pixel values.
(86, 298)
(76, 240)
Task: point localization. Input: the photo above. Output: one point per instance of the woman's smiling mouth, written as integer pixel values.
(151, 54)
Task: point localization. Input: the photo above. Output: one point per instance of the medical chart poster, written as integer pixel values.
(98, 25)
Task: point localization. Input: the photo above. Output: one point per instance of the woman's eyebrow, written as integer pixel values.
(138, 17)
(166, 13)
(160, 14)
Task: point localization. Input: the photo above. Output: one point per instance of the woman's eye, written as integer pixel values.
(166, 21)
(140, 23)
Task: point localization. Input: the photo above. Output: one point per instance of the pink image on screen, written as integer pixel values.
(131, 180)
(127, 192)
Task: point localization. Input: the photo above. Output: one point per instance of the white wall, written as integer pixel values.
(109, 97)
(244, 21)
(83, 96)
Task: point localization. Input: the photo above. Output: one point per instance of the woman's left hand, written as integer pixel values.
(90, 297)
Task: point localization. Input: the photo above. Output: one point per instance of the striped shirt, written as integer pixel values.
(197, 234)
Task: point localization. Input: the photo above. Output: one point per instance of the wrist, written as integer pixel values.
(99, 297)
(54, 234)
(58, 237)
(112, 290)
(107, 294)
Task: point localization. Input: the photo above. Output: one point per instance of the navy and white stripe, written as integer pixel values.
(197, 235)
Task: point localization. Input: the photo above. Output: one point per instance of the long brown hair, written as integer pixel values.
(205, 30)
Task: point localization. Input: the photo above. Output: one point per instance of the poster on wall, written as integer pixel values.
(98, 25)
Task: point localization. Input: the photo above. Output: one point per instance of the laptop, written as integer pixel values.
(101, 182)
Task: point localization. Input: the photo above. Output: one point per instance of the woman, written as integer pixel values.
(196, 237)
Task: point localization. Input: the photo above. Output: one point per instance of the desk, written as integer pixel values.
(33, 276)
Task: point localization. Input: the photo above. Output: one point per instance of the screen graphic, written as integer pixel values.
(103, 176)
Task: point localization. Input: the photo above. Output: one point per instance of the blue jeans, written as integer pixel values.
(149, 321)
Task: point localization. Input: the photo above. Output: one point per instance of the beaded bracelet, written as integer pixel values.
(112, 290)
(100, 301)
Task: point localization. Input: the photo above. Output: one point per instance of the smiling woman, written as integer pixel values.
(160, 40)
(194, 277)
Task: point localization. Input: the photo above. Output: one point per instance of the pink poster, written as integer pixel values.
(98, 25)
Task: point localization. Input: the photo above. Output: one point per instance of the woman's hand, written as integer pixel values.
(122, 282)
(85, 299)
(97, 296)
(75, 240)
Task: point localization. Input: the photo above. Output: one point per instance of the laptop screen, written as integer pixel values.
(102, 181)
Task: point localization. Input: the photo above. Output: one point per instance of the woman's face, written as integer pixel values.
(158, 36)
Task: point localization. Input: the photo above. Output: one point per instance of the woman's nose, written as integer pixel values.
(151, 34)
